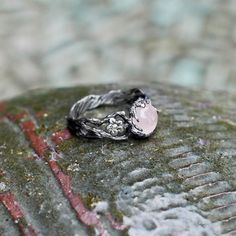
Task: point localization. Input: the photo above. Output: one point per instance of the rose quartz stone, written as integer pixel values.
(147, 118)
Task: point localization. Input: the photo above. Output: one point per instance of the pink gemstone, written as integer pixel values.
(146, 119)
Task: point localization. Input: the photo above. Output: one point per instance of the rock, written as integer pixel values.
(168, 184)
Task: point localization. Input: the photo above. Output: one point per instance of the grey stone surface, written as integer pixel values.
(180, 181)
(62, 43)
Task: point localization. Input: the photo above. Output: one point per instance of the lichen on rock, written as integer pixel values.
(177, 182)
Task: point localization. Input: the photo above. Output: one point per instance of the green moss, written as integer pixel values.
(26, 179)
(91, 200)
(99, 169)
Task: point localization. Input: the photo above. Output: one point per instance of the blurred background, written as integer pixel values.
(47, 43)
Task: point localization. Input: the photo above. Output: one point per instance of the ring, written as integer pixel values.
(138, 120)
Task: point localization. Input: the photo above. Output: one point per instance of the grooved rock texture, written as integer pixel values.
(180, 181)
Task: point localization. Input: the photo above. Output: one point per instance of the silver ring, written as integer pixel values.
(140, 119)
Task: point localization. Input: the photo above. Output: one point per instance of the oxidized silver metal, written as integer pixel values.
(116, 126)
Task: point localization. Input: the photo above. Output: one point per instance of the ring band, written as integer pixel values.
(140, 122)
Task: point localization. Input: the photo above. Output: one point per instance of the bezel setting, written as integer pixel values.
(142, 104)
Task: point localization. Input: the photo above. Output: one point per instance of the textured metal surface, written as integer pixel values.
(116, 126)
(181, 181)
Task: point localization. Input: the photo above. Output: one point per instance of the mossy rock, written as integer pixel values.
(180, 181)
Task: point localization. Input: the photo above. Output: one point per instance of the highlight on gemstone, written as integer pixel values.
(144, 119)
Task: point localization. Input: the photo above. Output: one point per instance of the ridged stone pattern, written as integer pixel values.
(180, 181)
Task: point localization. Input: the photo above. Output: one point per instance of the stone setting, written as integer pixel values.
(144, 118)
